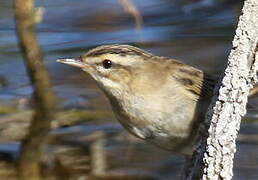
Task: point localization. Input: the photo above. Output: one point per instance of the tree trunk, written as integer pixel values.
(215, 151)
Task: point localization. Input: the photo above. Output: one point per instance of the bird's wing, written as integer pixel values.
(199, 84)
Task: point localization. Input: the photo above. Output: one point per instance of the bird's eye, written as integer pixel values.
(107, 63)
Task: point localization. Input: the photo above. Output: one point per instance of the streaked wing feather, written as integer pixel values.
(199, 84)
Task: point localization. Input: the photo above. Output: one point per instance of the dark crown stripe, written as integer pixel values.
(122, 50)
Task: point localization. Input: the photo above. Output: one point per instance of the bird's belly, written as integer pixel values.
(164, 131)
(163, 139)
(169, 127)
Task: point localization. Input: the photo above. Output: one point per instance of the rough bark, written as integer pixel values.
(215, 151)
(29, 166)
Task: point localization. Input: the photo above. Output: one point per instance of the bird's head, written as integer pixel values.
(112, 66)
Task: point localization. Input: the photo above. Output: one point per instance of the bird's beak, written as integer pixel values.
(73, 62)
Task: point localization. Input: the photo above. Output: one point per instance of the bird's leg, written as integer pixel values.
(185, 174)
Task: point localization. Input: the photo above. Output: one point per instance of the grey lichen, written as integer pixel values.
(216, 153)
(230, 106)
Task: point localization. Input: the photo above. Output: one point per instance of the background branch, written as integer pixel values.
(132, 10)
(14, 127)
(44, 98)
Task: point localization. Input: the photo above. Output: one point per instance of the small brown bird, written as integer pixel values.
(158, 99)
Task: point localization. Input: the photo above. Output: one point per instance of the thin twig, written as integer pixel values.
(132, 10)
(253, 92)
(98, 156)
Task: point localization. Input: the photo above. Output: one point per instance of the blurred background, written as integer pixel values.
(197, 32)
